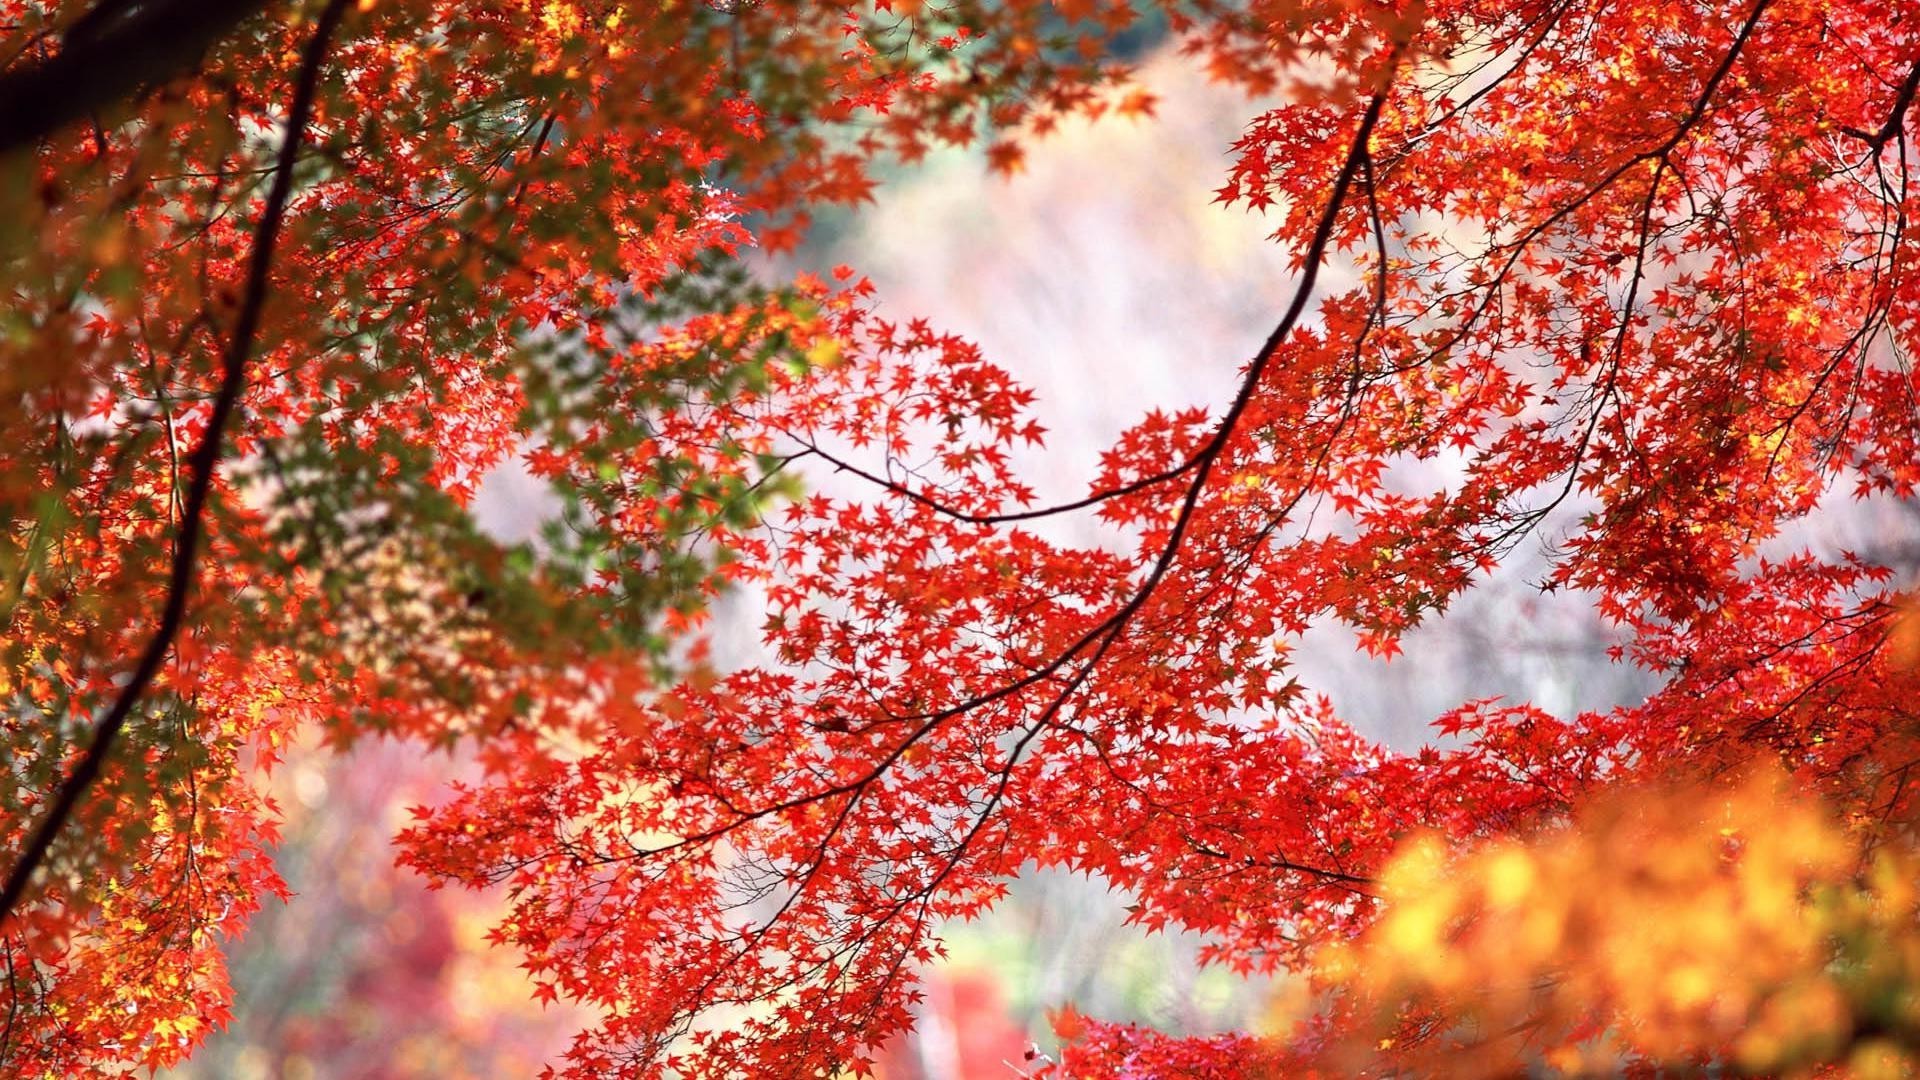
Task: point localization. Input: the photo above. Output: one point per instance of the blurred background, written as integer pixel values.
(1106, 278)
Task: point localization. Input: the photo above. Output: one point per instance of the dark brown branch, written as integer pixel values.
(1132, 487)
(205, 460)
(1896, 118)
(110, 53)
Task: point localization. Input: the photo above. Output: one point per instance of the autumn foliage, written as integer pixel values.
(1633, 277)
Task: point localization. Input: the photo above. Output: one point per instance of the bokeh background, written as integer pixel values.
(1105, 276)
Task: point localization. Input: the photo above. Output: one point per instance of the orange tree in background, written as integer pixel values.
(285, 280)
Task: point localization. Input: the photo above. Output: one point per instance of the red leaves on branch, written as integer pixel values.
(1636, 273)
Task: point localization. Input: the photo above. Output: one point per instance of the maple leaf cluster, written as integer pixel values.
(1635, 273)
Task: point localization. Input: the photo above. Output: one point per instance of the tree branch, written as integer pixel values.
(1896, 119)
(1877, 140)
(109, 53)
(205, 460)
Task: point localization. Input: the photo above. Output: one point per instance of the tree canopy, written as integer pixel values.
(284, 287)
